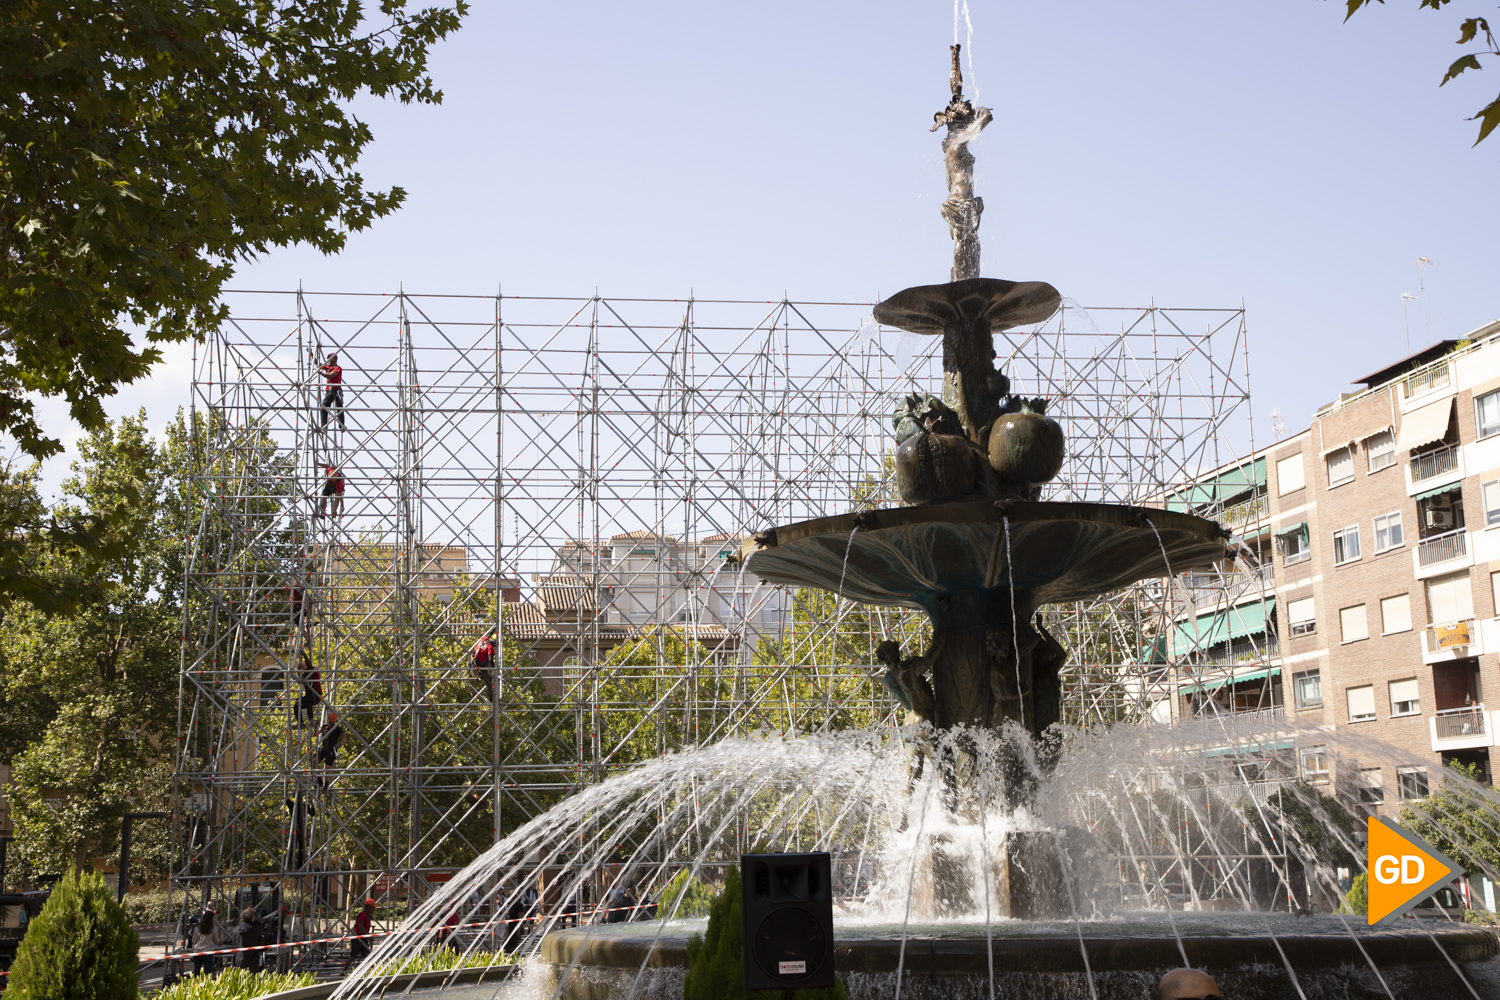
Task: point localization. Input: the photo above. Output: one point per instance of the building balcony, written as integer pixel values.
(1435, 377)
(1204, 590)
(1442, 548)
(1452, 641)
(1245, 513)
(1431, 464)
(1462, 728)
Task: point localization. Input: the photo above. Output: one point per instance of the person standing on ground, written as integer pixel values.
(333, 487)
(208, 936)
(248, 935)
(359, 948)
(483, 659)
(333, 389)
(1188, 984)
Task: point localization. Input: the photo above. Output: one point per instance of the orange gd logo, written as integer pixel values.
(1404, 870)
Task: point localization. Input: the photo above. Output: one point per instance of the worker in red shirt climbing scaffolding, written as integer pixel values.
(333, 487)
(483, 659)
(333, 389)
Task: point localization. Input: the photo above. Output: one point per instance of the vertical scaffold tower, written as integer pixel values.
(577, 477)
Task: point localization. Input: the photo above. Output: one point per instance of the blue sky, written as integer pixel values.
(1194, 152)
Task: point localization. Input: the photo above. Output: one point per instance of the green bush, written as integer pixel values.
(1358, 899)
(153, 907)
(716, 962)
(444, 958)
(697, 897)
(234, 984)
(81, 946)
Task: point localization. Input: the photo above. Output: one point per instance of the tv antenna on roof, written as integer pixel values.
(1423, 289)
(1278, 425)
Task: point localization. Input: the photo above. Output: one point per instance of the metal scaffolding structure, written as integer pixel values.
(579, 474)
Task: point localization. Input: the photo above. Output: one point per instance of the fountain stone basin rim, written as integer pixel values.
(1059, 953)
(918, 556)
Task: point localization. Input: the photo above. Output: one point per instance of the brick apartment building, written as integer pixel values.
(1377, 605)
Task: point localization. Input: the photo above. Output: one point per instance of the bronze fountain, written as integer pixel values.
(973, 546)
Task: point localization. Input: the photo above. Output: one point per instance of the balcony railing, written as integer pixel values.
(1207, 589)
(1243, 513)
(1450, 636)
(1434, 463)
(1460, 723)
(1240, 653)
(1441, 548)
(1432, 378)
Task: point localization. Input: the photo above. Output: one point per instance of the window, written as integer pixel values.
(1309, 689)
(1411, 783)
(1388, 531)
(1381, 450)
(1346, 544)
(1315, 764)
(1289, 474)
(1294, 547)
(1395, 614)
(1301, 616)
(1404, 699)
(1353, 624)
(1340, 467)
(1490, 494)
(1487, 414)
(1449, 598)
(1361, 703)
(1370, 787)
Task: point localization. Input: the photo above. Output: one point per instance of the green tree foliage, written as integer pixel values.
(1470, 30)
(81, 946)
(1458, 820)
(147, 147)
(686, 896)
(88, 699)
(716, 962)
(1357, 900)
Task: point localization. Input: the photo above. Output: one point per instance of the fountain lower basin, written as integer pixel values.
(1246, 953)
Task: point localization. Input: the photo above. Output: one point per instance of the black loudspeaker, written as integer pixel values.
(788, 918)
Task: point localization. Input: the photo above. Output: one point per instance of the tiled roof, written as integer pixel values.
(562, 592)
(642, 535)
(724, 537)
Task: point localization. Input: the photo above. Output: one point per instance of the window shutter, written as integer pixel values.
(1300, 611)
(1395, 613)
(1352, 623)
(1361, 701)
(1404, 690)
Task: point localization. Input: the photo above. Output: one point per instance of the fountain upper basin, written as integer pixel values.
(914, 556)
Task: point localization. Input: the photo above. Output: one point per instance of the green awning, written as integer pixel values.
(1439, 490)
(1211, 629)
(1221, 488)
(1238, 677)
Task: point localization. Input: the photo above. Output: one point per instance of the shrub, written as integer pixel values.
(444, 958)
(153, 907)
(1358, 899)
(81, 946)
(716, 962)
(234, 984)
(697, 897)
